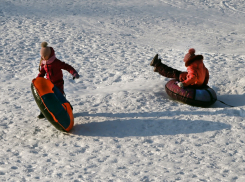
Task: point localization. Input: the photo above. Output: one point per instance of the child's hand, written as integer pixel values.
(180, 84)
(76, 76)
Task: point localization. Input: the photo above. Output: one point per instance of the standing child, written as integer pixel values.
(52, 68)
(197, 74)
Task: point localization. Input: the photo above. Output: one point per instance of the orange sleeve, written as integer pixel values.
(191, 79)
(182, 76)
(206, 78)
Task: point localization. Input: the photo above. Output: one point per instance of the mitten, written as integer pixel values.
(180, 84)
(75, 76)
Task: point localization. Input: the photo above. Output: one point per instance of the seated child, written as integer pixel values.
(197, 74)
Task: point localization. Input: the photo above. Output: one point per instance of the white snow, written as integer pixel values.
(126, 127)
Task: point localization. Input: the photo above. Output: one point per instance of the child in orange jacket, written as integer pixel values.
(197, 74)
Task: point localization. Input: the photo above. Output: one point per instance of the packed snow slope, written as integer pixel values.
(126, 128)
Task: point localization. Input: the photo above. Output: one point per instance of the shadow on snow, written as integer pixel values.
(126, 127)
(234, 100)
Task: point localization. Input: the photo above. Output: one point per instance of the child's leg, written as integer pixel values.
(166, 71)
(163, 69)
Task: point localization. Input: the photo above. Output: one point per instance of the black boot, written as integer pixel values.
(155, 61)
(40, 116)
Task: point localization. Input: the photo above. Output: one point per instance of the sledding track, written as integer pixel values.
(238, 7)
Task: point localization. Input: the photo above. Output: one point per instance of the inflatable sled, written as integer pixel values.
(202, 97)
(52, 104)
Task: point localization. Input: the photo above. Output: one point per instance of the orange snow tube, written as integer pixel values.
(52, 103)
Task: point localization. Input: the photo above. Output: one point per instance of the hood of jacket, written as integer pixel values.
(196, 58)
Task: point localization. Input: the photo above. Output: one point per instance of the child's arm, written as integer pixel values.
(69, 68)
(191, 79)
(182, 76)
(42, 72)
(206, 78)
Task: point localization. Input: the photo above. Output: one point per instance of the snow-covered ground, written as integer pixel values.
(126, 128)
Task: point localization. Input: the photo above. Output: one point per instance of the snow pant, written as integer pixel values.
(168, 72)
(60, 86)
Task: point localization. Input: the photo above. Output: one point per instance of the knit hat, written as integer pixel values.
(45, 50)
(189, 55)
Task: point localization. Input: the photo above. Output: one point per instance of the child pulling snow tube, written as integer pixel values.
(202, 97)
(52, 104)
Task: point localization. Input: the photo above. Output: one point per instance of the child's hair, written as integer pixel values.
(40, 63)
(43, 44)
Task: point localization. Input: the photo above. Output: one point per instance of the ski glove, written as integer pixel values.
(76, 76)
(180, 84)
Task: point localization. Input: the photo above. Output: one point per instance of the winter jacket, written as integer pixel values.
(53, 71)
(197, 74)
